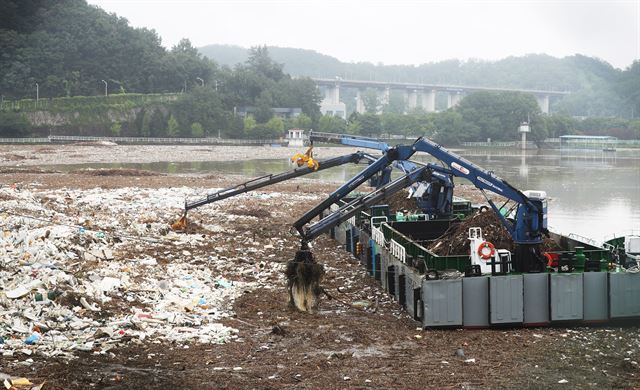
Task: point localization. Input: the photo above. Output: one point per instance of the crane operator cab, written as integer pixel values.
(531, 224)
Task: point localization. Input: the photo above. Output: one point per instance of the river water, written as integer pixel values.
(592, 193)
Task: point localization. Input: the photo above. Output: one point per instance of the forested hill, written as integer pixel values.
(68, 47)
(598, 88)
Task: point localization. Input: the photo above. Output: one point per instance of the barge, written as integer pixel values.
(588, 282)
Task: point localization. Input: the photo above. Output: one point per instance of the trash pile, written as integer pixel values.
(455, 241)
(88, 270)
(400, 201)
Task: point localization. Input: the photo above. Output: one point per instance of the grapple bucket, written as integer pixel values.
(303, 281)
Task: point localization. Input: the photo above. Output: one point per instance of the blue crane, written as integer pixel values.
(526, 228)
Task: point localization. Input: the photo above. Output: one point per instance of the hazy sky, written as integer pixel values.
(399, 32)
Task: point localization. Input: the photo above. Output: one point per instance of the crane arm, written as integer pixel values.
(390, 155)
(270, 179)
(350, 140)
(530, 218)
(363, 202)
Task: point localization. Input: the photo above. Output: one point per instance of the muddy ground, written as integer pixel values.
(39, 155)
(359, 339)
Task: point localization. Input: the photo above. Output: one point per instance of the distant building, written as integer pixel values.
(295, 137)
(282, 112)
(588, 141)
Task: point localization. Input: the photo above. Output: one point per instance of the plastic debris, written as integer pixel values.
(361, 304)
(34, 338)
(21, 382)
(562, 381)
(122, 275)
(86, 305)
(23, 290)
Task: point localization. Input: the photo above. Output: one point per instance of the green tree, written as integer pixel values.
(115, 129)
(370, 124)
(249, 122)
(497, 115)
(276, 125)
(558, 125)
(628, 86)
(197, 130)
(332, 124)
(264, 110)
(354, 128)
(13, 124)
(173, 128)
(303, 121)
(370, 101)
(260, 62)
(449, 128)
(202, 105)
(262, 131)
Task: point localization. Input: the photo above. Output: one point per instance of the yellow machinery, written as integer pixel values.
(306, 159)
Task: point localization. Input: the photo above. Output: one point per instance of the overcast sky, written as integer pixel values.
(399, 32)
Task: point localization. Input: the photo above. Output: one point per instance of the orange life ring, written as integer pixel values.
(484, 255)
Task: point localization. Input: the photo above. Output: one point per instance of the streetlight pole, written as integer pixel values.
(201, 81)
(106, 85)
(37, 94)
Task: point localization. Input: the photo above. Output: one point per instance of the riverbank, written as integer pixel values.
(207, 309)
(40, 155)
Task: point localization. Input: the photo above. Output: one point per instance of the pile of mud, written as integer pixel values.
(115, 172)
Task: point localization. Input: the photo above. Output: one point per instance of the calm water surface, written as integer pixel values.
(592, 193)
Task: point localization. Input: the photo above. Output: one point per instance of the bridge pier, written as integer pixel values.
(383, 99)
(331, 104)
(360, 108)
(543, 102)
(453, 99)
(429, 100)
(412, 99)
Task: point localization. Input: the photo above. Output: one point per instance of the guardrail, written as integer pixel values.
(497, 144)
(24, 140)
(397, 250)
(378, 236)
(140, 140)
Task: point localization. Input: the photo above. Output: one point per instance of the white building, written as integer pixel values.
(295, 137)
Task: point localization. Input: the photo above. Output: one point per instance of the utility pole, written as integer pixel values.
(106, 85)
(37, 94)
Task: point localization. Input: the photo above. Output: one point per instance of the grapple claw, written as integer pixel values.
(303, 281)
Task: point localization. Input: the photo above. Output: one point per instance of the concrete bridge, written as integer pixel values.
(415, 94)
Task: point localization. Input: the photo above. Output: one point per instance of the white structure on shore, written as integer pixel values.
(295, 137)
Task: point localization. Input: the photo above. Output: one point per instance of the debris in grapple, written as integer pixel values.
(303, 281)
(180, 224)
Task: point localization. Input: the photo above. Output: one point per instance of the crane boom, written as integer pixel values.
(361, 203)
(269, 179)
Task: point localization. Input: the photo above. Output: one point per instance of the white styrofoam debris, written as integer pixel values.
(67, 256)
